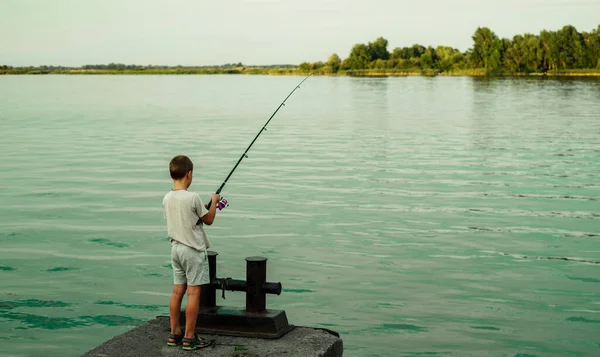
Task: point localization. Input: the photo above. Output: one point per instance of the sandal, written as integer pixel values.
(196, 343)
(175, 340)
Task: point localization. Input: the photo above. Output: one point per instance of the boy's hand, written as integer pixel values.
(216, 198)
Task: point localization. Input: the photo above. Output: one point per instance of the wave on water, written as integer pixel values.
(567, 259)
(35, 321)
(78, 256)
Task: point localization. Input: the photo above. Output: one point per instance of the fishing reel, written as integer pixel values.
(222, 204)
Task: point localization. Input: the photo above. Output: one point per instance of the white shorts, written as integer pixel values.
(190, 266)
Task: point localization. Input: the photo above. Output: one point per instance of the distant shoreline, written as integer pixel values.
(565, 52)
(296, 71)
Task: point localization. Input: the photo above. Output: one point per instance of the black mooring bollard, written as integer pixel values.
(256, 275)
(255, 320)
(208, 294)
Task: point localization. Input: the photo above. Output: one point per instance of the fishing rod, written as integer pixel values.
(223, 202)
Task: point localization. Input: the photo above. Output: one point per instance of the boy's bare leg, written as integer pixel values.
(191, 310)
(175, 307)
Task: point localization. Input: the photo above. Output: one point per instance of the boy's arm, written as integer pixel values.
(209, 216)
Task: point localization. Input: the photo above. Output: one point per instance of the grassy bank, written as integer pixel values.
(152, 71)
(295, 71)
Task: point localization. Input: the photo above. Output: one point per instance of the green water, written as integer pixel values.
(415, 216)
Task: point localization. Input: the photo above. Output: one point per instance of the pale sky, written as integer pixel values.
(207, 32)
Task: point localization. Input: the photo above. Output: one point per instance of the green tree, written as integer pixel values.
(533, 53)
(426, 61)
(515, 54)
(400, 63)
(380, 64)
(488, 50)
(334, 62)
(359, 57)
(445, 54)
(396, 54)
(571, 48)
(378, 49)
(592, 44)
(435, 58)
(345, 64)
(418, 51)
(483, 47)
(402, 53)
(550, 48)
(449, 58)
(317, 65)
(406, 53)
(497, 55)
(304, 67)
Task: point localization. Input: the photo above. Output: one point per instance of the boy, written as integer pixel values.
(186, 215)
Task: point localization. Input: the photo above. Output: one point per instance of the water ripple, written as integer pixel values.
(577, 260)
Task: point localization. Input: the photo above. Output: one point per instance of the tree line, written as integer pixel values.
(120, 68)
(561, 50)
(564, 49)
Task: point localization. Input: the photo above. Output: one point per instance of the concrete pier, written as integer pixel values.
(252, 331)
(150, 340)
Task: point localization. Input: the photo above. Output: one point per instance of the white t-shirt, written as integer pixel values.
(182, 210)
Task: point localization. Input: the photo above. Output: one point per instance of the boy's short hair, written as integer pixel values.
(179, 166)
